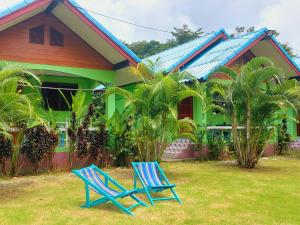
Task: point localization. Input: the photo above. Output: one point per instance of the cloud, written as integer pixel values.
(284, 17)
(211, 15)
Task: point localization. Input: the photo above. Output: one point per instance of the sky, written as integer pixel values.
(210, 15)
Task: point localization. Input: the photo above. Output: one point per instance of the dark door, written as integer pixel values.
(185, 108)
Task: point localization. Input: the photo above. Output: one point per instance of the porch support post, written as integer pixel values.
(197, 108)
(110, 105)
(200, 115)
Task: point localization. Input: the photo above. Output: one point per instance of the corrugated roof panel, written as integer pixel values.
(173, 56)
(220, 54)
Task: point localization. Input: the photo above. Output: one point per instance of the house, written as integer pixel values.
(68, 49)
(201, 57)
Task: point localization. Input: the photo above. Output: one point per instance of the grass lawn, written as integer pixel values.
(212, 193)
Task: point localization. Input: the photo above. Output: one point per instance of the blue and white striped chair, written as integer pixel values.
(152, 179)
(98, 181)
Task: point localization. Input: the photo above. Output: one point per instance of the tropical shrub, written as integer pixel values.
(78, 110)
(38, 143)
(121, 125)
(98, 142)
(82, 134)
(283, 138)
(216, 144)
(255, 97)
(199, 133)
(16, 107)
(6, 150)
(153, 105)
(53, 142)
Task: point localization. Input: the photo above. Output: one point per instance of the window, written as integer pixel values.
(246, 57)
(36, 35)
(185, 108)
(56, 37)
(54, 99)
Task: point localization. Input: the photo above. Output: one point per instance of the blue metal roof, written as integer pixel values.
(171, 58)
(221, 54)
(297, 60)
(15, 7)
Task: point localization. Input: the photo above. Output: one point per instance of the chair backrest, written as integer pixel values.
(90, 175)
(149, 173)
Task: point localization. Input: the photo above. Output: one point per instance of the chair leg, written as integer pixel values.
(87, 197)
(176, 196)
(134, 197)
(149, 197)
(120, 206)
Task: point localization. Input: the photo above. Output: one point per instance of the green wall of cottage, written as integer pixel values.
(83, 83)
(90, 78)
(85, 79)
(120, 101)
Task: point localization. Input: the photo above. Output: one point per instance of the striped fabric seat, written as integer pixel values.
(97, 180)
(149, 174)
(92, 176)
(152, 179)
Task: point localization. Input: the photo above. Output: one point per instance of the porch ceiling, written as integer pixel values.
(105, 76)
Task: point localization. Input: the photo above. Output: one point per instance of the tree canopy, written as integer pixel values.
(180, 35)
(241, 30)
(184, 34)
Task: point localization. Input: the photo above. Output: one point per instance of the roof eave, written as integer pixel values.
(103, 32)
(23, 10)
(285, 55)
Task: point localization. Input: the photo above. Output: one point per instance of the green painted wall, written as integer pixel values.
(292, 124)
(83, 83)
(120, 101)
(83, 77)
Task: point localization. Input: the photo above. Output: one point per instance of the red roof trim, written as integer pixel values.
(285, 58)
(99, 32)
(245, 50)
(22, 11)
(274, 44)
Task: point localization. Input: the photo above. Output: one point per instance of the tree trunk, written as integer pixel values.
(235, 137)
(3, 160)
(16, 152)
(248, 135)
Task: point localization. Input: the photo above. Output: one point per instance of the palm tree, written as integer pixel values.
(255, 97)
(16, 108)
(153, 104)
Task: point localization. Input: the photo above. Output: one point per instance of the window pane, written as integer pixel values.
(52, 97)
(36, 35)
(56, 37)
